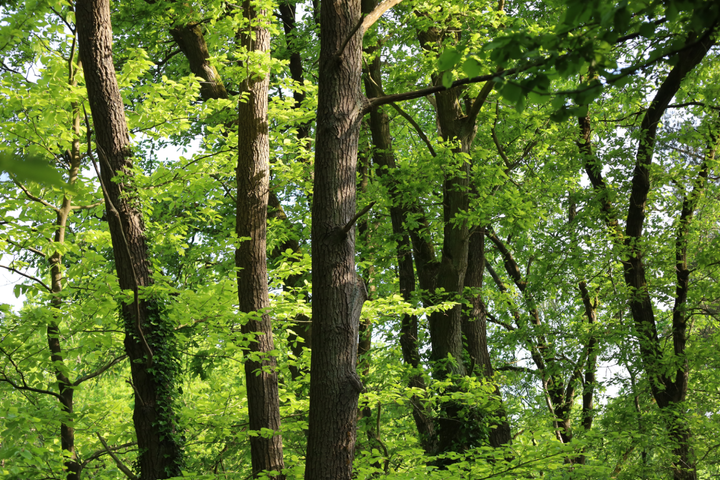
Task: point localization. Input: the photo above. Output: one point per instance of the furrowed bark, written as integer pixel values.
(475, 331)
(191, 41)
(253, 182)
(338, 292)
(146, 341)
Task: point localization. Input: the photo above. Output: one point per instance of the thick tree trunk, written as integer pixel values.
(475, 331)
(253, 181)
(148, 340)
(338, 292)
(191, 41)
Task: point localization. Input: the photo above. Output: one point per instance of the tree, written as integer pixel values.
(148, 337)
(535, 192)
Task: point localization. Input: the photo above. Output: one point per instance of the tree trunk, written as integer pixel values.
(383, 157)
(65, 387)
(475, 331)
(338, 292)
(148, 338)
(253, 181)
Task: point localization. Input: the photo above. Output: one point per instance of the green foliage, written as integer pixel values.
(552, 62)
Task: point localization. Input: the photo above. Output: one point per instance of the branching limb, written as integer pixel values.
(123, 468)
(30, 249)
(417, 128)
(87, 207)
(37, 280)
(99, 371)
(33, 197)
(99, 453)
(357, 216)
(24, 385)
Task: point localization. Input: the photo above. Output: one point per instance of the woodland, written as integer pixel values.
(345, 239)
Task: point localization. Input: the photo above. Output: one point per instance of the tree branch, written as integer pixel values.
(24, 385)
(99, 453)
(100, 371)
(491, 318)
(352, 221)
(33, 197)
(87, 207)
(416, 126)
(367, 22)
(27, 276)
(118, 462)
(31, 249)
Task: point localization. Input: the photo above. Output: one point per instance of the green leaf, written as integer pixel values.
(472, 68)
(512, 92)
(30, 169)
(447, 79)
(647, 30)
(448, 59)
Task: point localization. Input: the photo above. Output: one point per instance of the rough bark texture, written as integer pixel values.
(154, 420)
(474, 328)
(190, 39)
(253, 181)
(458, 126)
(338, 292)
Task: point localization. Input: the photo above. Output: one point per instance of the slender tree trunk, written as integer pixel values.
(148, 338)
(383, 157)
(669, 390)
(253, 181)
(65, 387)
(338, 292)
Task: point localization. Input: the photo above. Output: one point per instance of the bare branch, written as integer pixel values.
(118, 462)
(417, 128)
(99, 371)
(352, 221)
(28, 277)
(377, 12)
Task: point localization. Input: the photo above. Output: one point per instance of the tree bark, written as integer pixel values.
(65, 387)
(474, 328)
(148, 338)
(253, 182)
(338, 292)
